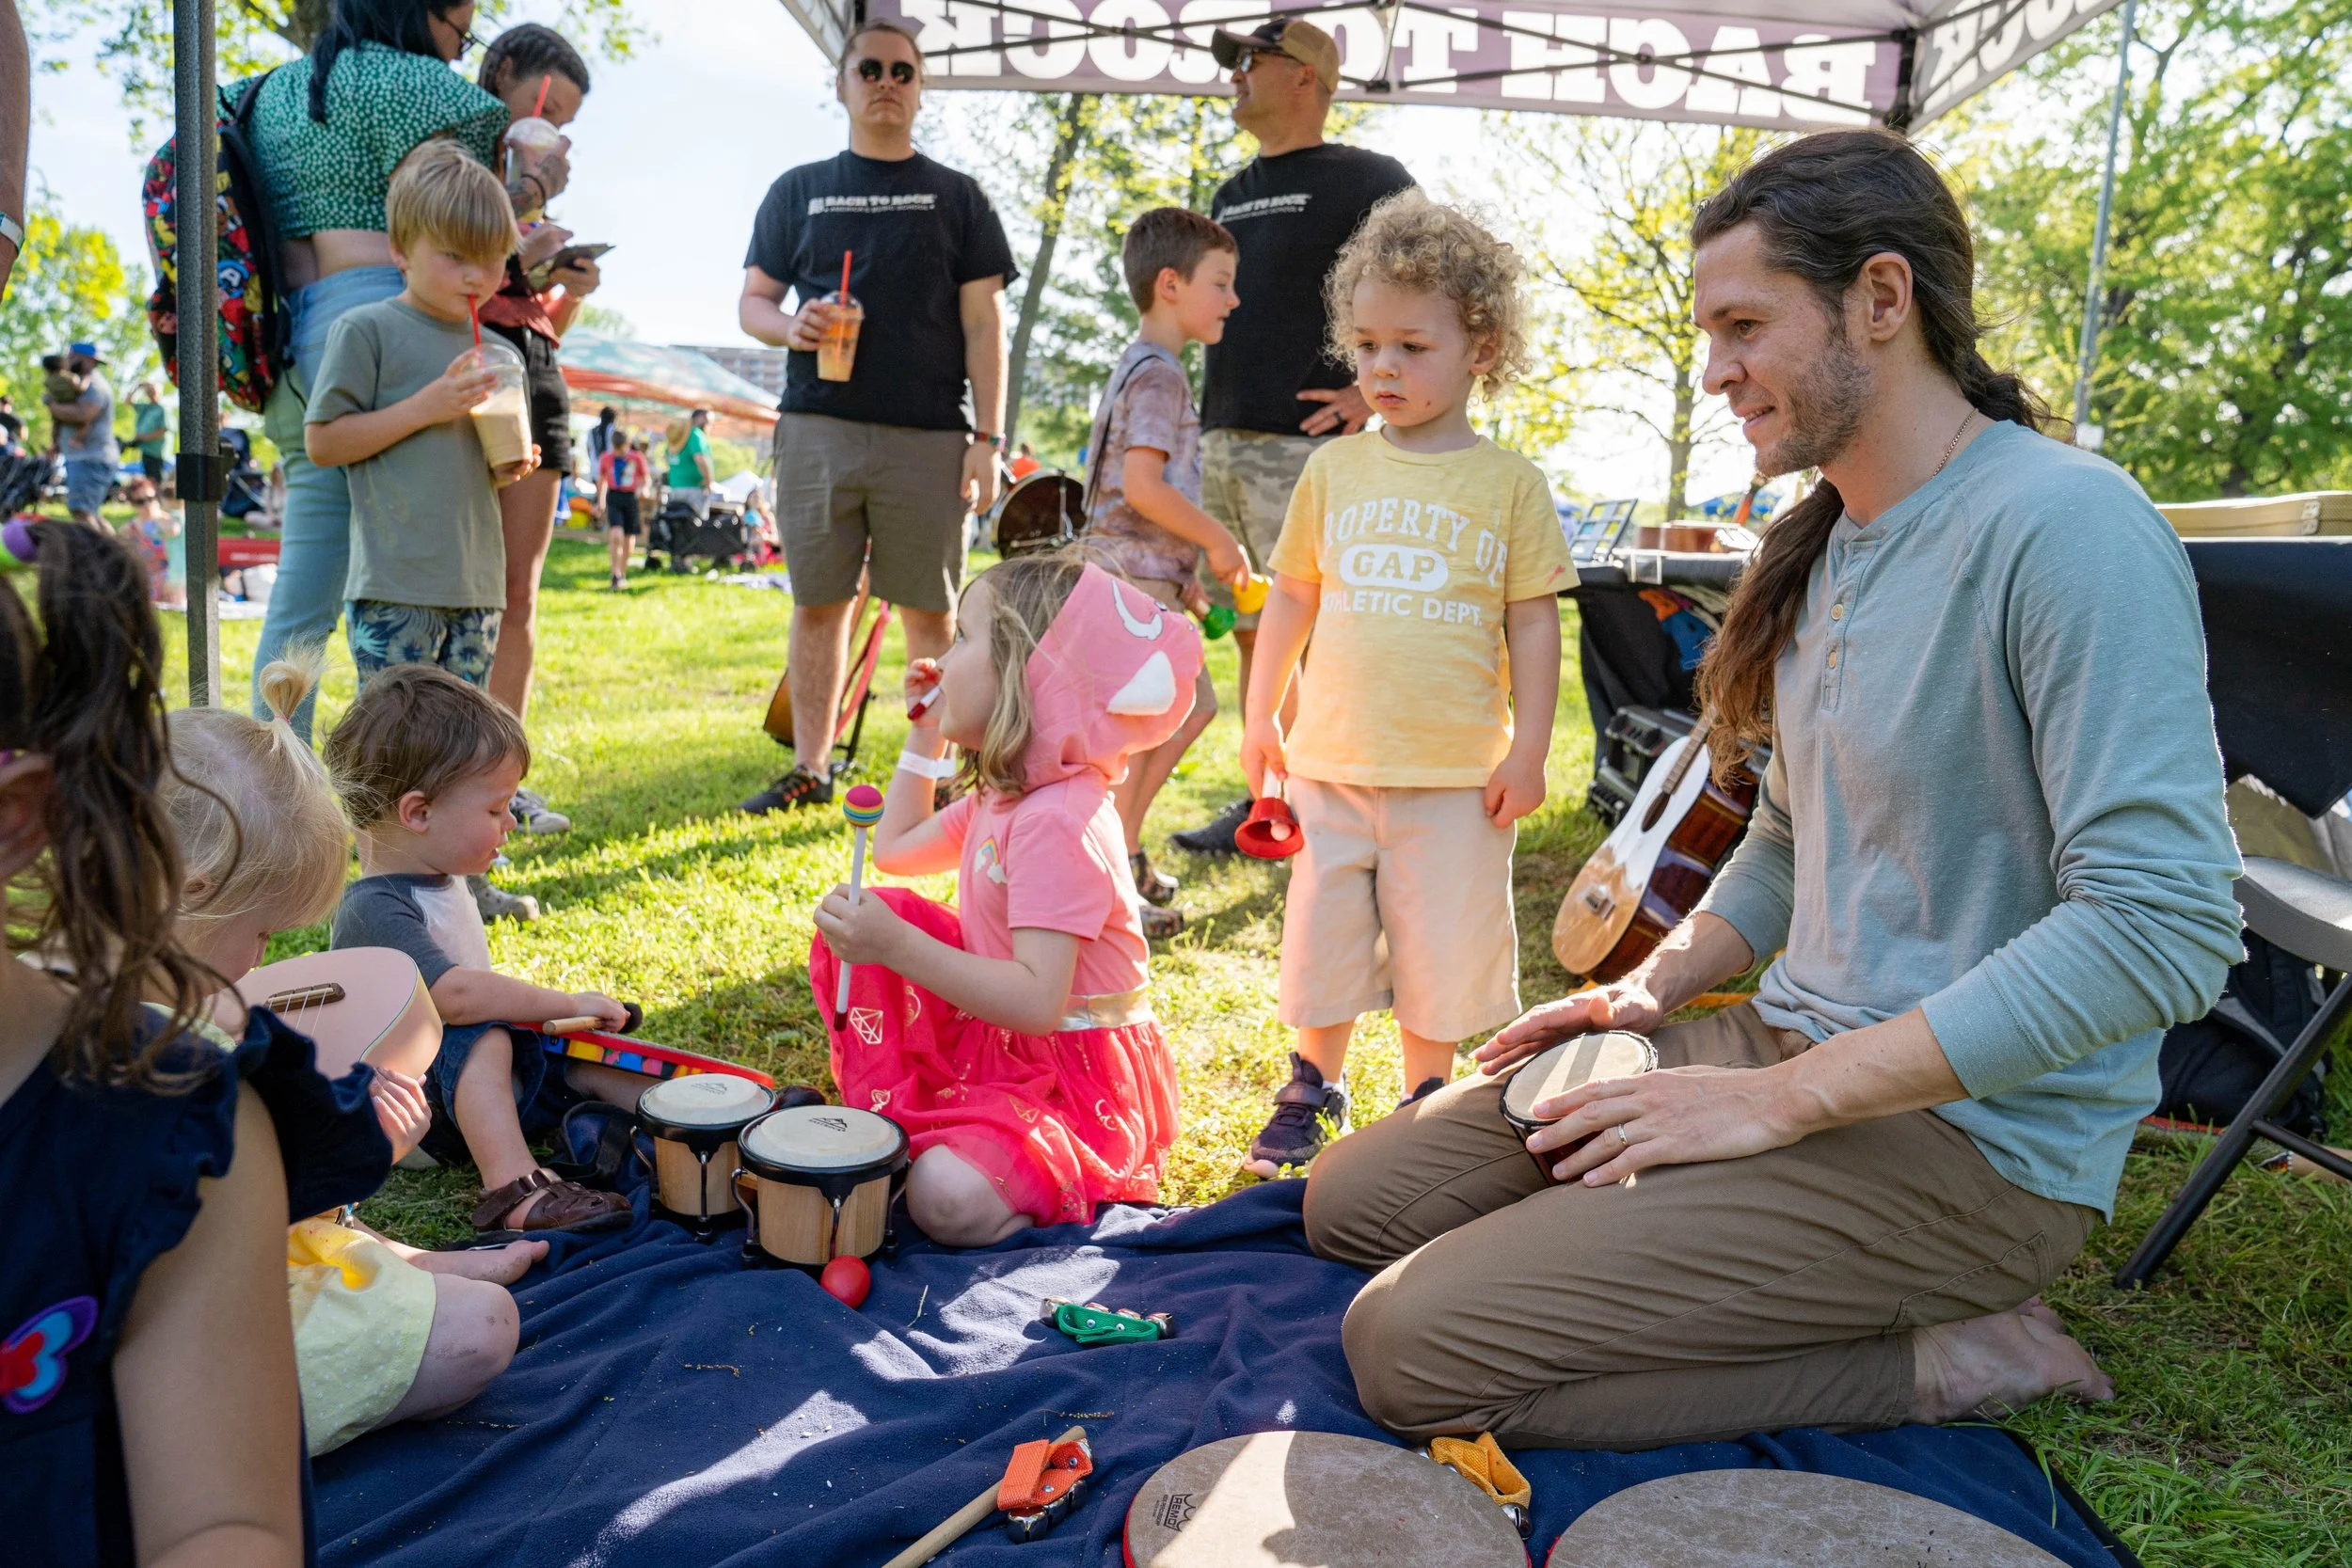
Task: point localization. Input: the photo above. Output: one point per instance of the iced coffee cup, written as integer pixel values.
(837, 351)
(527, 140)
(502, 421)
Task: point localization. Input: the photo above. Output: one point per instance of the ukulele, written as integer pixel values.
(1649, 873)
(355, 1004)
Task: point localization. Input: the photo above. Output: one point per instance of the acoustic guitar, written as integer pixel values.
(355, 1004)
(1651, 872)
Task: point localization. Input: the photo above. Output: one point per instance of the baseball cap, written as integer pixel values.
(1303, 42)
(85, 351)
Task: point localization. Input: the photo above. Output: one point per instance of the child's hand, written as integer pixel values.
(1262, 754)
(400, 1110)
(1514, 788)
(507, 473)
(866, 932)
(1227, 563)
(461, 387)
(596, 1005)
(922, 681)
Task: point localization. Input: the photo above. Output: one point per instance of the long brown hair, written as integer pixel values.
(86, 688)
(1822, 206)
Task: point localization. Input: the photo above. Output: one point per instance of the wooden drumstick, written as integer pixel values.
(961, 1523)
(569, 1025)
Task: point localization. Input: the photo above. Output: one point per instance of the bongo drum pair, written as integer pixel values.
(1570, 1065)
(694, 1122)
(815, 1180)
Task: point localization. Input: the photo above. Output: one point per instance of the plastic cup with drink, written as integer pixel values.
(529, 140)
(836, 350)
(502, 421)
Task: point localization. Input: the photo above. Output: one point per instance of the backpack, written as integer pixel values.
(2211, 1066)
(251, 322)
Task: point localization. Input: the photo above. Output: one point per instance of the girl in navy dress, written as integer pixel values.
(148, 1403)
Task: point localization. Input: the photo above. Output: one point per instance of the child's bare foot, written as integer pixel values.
(2000, 1363)
(498, 1265)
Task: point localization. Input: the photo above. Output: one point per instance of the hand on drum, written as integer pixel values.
(1681, 1116)
(400, 1110)
(866, 932)
(1622, 1005)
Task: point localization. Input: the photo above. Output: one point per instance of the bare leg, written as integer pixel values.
(611, 1085)
(474, 1330)
(616, 551)
(1326, 1047)
(484, 1109)
(1246, 646)
(2000, 1363)
(527, 515)
(1426, 1059)
(820, 649)
(1148, 772)
(928, 632)
(955, 1205)
(492, 1265)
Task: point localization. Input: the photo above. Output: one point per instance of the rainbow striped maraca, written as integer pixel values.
(863, 806)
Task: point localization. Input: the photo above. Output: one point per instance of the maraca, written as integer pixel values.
(863, 806)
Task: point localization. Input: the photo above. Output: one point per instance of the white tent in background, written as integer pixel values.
(1779, 64)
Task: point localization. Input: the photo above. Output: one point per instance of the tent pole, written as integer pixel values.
(198, 474)
(2099, 235)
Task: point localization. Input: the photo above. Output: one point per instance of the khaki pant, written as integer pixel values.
(1705, 1302)
(1246, 477)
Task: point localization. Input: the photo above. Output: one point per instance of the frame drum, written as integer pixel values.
(1287, 1497)
(693, 1122)
(1044, 512)
(820, 1179)
(1571, 1063)
(1783, 1519)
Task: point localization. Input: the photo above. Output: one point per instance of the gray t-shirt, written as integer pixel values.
(424, 514)
(432, 919)
(1148, 402)
(92, 442)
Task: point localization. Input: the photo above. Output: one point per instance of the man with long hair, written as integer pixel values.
(1990, 854)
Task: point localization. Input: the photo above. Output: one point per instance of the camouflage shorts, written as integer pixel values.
(1247, 478)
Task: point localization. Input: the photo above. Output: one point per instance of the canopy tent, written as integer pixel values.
(1778, 64)
(644, 380)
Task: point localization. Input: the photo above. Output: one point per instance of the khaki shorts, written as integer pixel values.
(1400, 900)
(1247, 478)
(842, 485)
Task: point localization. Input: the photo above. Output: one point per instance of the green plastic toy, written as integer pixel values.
(1090, 1323)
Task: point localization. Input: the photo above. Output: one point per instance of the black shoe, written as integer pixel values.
(1154, 885)
(802, 786)
(1215, 836)
(1294, 1135)
(1428, 1086)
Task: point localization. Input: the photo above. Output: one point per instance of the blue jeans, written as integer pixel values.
(315, 532)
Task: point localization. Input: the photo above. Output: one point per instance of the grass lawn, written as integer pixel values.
(2231, 1443)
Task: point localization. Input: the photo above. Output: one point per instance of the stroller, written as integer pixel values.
(720, 535)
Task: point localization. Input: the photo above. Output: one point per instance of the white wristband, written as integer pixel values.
(928, 767)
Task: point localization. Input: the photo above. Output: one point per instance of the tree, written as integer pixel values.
(1074, 117)
(2225, 356)
(1619, 261)
(255, 35)
(70, 284)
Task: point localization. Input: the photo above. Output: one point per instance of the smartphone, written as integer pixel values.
(540, 274)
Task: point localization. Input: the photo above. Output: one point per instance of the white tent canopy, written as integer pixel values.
(1778, 64)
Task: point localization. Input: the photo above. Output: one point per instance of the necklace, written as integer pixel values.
(1969, 418)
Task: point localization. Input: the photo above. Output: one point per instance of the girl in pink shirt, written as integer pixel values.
(1012, 1037)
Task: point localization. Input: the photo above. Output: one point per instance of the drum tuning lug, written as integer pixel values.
(1518, 1517)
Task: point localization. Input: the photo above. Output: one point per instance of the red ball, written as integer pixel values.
(847, 1281)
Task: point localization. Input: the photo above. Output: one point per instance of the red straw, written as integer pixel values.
(845, 277)
(473, 314)
(542, 102)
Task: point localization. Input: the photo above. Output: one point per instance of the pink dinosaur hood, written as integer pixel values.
(1113, 676)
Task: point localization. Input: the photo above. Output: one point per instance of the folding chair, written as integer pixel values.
(2308, 913)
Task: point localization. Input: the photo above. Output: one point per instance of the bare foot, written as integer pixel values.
(498, 1265)
(1994, 1364)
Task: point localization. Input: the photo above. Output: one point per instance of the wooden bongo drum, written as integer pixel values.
(818, 1181)
(1278, 1499)
(1783, 1519)
(1571, 1063)
(694, 1122)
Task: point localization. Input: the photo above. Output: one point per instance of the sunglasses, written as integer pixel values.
(901, 72)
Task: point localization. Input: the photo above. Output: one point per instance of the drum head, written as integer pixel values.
(1281, 1499)
(822, 1139)
(1783, 1519)
(1041, 511)
(705, 1099)
(1571, 1063)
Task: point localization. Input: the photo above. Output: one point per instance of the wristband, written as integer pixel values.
(11, 231)
(983, 437)
(928, 768)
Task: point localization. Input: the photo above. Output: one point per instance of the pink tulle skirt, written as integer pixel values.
(1061, 1122)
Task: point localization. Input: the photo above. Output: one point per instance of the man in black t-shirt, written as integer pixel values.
(1273, 389)
(893, 456)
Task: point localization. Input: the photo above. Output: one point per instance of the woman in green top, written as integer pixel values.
(148, 427)
(329, 131)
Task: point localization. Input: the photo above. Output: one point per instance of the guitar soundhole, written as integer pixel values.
(1657, 810)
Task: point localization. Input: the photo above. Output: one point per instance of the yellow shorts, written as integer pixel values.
(361, 1316)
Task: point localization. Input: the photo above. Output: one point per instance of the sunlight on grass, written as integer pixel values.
(2231, 1443)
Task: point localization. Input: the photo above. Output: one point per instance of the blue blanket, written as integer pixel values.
(670, 1407)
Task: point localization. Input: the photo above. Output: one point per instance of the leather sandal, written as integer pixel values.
(568, 1206)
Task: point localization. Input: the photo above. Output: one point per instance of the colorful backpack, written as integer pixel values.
(251, 320)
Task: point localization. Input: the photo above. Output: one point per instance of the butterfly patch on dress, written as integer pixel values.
(32, 1360)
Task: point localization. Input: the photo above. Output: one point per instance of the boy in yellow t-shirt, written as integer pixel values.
(1424, 560)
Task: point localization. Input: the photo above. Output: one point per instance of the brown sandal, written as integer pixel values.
(566, 1206)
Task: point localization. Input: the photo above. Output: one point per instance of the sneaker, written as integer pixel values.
(1294, 1135)
(1427, 1087)
(1156, 886)
(618, 582)
(1215, 836)
(802, 786)
(530, 813)
(496, 903)
(1159, 924)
